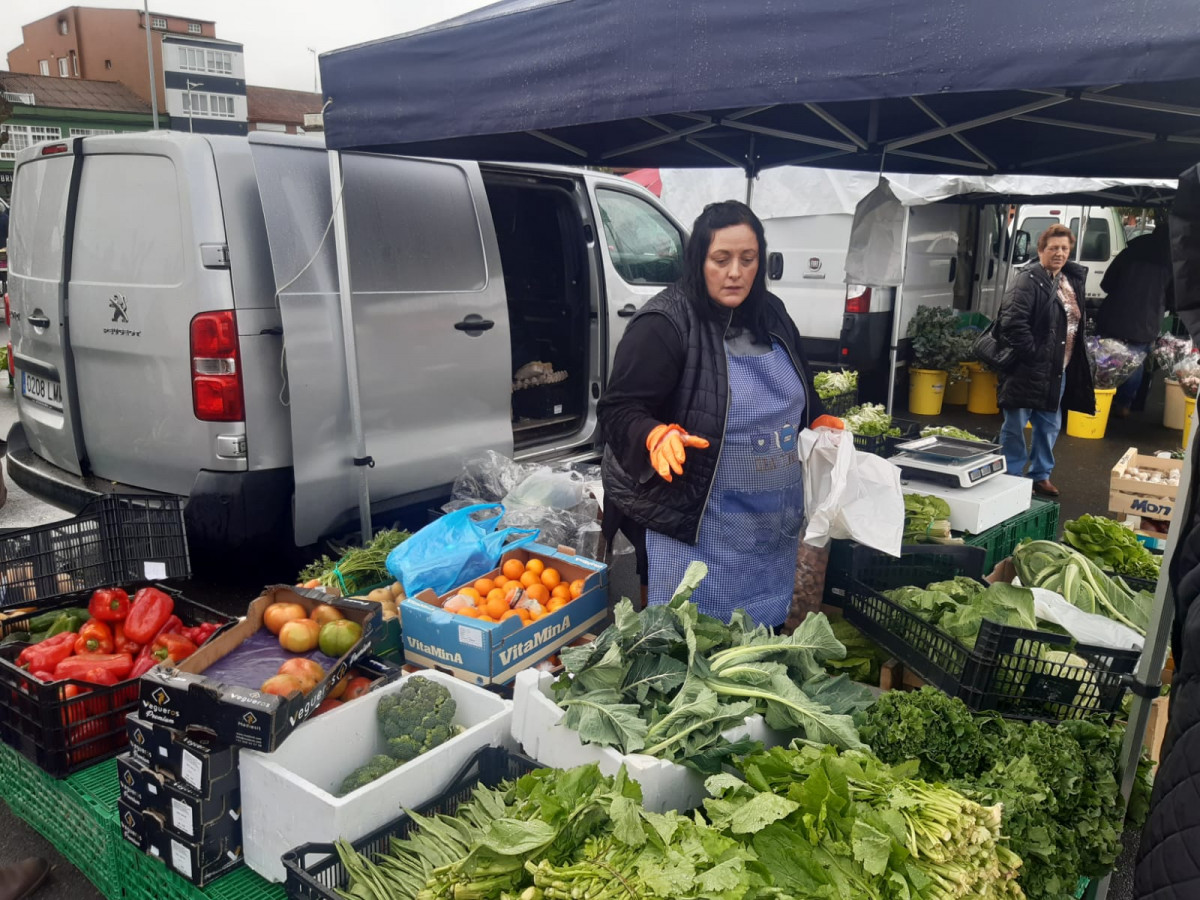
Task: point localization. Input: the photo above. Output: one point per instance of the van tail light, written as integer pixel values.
(54, 149)
(216, 368)
(858, 299)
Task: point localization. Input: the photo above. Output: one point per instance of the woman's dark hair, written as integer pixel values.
(1056, 231)
(752, 313)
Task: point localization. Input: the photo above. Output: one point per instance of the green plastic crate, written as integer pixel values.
(1038, 523)
(80, 825)
(147, 878)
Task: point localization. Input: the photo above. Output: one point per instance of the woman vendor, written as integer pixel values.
(708, 393)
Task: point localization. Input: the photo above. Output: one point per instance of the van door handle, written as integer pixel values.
(953, 269)
(627, 311)
(38, 321)
(474, 325)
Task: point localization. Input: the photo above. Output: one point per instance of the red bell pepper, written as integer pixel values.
(122, 644)
(205, 630)
(45, 655)
(150, 610)
(120, 664)
(109, 605)
(94, 637)
(171, 648)
(146, 660)
(43, 675)
(99, 676)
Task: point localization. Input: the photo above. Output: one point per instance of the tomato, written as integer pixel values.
(282, 685)
(336, 692)
(277, 614)
(337, 638)
(307, 670)
(323, 613)
(357, 687)
(299, 635)
(327, 704)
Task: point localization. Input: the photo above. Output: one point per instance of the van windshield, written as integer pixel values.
(1035, 225)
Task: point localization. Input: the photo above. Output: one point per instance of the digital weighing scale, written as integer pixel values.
(947, 461)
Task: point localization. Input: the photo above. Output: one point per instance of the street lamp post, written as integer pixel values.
(191, 84)
(150, 62)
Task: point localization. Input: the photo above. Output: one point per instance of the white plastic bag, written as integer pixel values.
(1085, 627)
(848, 494)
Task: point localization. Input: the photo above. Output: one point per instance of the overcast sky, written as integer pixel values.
(276, 33)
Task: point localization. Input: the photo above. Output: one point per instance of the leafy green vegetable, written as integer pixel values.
(926, 518)
(357, 568)
(1112, 546)
(669, 680)
(935, 344)
(833, 383)
(959, 606)
(870, 420)
(1068, 572)
(950, 431)
(845, 826)
(864, 657)
(1063, 812)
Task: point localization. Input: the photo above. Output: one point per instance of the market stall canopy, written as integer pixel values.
(1019, 87)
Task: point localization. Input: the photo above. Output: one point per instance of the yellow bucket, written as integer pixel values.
(957, 392)
(1189, 408)
(981, 396)
(1173, 407)
(926, 388)
(1083, 426)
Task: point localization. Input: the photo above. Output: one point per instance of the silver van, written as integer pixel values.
(176, 324)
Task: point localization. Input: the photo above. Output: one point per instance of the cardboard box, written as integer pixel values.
(1143, 498)
(207, 767)
(536, 726)
(288, 797)
(241, 714)
(483, 653)
(200, 862)
(176, 802)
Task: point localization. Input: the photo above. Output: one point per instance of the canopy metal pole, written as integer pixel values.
(751, 169)
(897, 310)
(361, 461)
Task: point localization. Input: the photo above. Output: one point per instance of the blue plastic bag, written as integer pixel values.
(454, 549)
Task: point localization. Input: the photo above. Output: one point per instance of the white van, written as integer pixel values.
(176, 324)
(1103, 237)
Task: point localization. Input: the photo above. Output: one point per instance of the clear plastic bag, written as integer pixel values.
(487, 479)
(544, 486)
(808, 586)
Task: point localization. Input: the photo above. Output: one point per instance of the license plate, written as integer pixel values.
(45, 391)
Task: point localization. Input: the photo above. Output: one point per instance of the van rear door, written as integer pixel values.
(42, 210)
(430, 319)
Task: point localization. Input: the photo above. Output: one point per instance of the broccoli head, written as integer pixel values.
(376, 767)
(416, 718)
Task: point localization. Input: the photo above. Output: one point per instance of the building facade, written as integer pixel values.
(275, 109)
(82, 42)
(50, 108)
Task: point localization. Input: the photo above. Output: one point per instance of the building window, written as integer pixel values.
(108, 64)
(86, 132)
(43, 67)
(62, 26)
(216, 62)
(193, 28)
(74, 63)
(63, 71)
(158, 22)
(22, 136)
(218, 106)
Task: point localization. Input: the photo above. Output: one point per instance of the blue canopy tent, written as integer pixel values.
(1022, 87)
(1111, 89)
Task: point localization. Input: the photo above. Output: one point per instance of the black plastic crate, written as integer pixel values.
(112, 541)
(885, 445)
(314, 871)
(62, 735)
(918, 564)
(840, 404)
(1006, 671)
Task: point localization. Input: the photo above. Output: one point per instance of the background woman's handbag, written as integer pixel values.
(991, 350)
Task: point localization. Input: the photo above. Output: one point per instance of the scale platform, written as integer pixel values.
(950, 462)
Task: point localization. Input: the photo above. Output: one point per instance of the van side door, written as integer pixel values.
(430, 323)
(642, 249)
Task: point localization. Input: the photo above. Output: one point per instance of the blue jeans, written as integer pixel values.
(1127, 392)
(1046, 426)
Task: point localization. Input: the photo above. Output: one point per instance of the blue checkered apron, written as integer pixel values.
(750, 528)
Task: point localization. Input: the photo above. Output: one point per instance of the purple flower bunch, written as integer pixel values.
(1112, 361)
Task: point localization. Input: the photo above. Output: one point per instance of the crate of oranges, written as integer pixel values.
(485, 631)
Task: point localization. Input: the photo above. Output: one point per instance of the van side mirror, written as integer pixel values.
(1021, 250)
(774, 266)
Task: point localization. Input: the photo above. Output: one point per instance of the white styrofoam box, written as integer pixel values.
(976, 509)
(288, 796)
(536, 726)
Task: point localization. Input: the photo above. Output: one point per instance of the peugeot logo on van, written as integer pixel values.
(814, 265)
(120, 308)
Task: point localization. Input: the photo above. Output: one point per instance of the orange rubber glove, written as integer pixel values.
(666, 443)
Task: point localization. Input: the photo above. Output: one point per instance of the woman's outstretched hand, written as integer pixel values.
(666, 444)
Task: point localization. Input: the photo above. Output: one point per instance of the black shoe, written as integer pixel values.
(21, 879)
(1045, 488)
